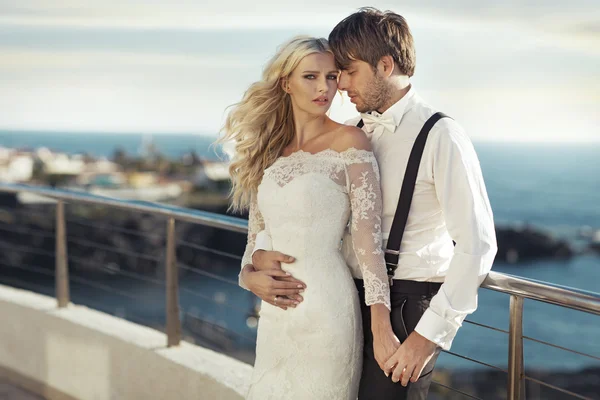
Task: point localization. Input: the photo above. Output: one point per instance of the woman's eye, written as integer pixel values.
(309, 76)
(332, 77)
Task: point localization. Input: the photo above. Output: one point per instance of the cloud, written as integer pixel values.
(17, 59)
(175, 67)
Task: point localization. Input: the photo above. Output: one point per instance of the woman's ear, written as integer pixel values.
(285, 85)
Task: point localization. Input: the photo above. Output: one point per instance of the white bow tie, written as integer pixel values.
(377, 124)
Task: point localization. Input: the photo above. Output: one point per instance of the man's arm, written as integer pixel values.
(469, 219)
(263, 256)
(463, 199)
(265, 278)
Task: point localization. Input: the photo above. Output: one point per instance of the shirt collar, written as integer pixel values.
(398, 109)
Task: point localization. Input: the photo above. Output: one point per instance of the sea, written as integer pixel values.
(554, 187)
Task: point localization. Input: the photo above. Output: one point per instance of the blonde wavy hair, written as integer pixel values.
(262, 124)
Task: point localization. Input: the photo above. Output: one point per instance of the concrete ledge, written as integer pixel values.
(79, 353)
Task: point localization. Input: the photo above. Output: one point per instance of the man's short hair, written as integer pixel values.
(370, 34)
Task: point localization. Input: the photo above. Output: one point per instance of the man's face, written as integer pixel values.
(365, 86)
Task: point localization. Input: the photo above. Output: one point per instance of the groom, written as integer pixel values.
(435, 283)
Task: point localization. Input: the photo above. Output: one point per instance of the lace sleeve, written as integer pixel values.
(364, 190)
(256, 224)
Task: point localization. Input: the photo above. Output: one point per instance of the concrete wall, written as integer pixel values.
(79, 353)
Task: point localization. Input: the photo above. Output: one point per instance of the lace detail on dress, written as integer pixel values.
(256, 224)
(364, 189)
(285, 169)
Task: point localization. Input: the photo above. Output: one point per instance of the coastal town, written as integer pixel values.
(144, 176)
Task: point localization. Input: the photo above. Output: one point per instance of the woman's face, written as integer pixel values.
(313, 84)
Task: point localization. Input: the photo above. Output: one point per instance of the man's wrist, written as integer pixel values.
(248, 268)
(424, 339)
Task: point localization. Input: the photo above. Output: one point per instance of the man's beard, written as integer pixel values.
(375, 96)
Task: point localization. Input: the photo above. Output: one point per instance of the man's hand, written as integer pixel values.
(263, 259)
(265, 284)
(410, 359)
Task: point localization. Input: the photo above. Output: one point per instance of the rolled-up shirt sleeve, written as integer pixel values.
(464, 201)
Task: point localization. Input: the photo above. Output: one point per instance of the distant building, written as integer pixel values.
(15, 166)
(211, 175)
(62, 164)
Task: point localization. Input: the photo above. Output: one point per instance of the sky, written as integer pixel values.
(515, 71)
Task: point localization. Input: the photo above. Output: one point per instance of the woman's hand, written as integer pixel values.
(385, 342)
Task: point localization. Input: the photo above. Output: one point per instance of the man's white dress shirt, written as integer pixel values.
(450, 202)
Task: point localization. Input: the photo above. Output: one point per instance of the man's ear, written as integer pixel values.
(386, 65)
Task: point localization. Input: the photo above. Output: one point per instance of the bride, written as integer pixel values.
(303, 177)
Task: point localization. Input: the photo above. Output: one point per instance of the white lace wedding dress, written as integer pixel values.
(304, 203)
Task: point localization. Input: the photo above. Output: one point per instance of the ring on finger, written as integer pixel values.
(275, 298)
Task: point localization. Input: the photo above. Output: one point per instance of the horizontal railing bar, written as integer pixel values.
(526, 288)
(140, 277)
(207, 274)
(209, 250)
(475, 361)
(529, 378)
(89, 243)
(34, 232)
(25, 211)
(575, 299)
(179, 213)
(26, 267)
(561, 348)
(456, 390)
(116, 229)
(28, 250)
(102, 266)
(485, 326)
(106, 288)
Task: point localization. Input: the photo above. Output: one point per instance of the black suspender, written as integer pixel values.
(392, 252)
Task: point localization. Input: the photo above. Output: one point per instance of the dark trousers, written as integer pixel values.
(409, 301)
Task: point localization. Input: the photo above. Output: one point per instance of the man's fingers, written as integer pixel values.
(277, 284)
(282, 302)
(276, 305)
(284, 258)
(388, 366)
(289, 279)
(276, 273)
(286, 292)
(406, 375)
(417, 373)
(397, 373)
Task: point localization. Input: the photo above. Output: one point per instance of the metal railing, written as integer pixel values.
(517, 288)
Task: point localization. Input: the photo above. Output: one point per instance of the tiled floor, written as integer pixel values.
(10, 392)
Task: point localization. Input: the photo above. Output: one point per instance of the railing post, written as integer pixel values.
(61, 266)
(173, 323)
(516, 388)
